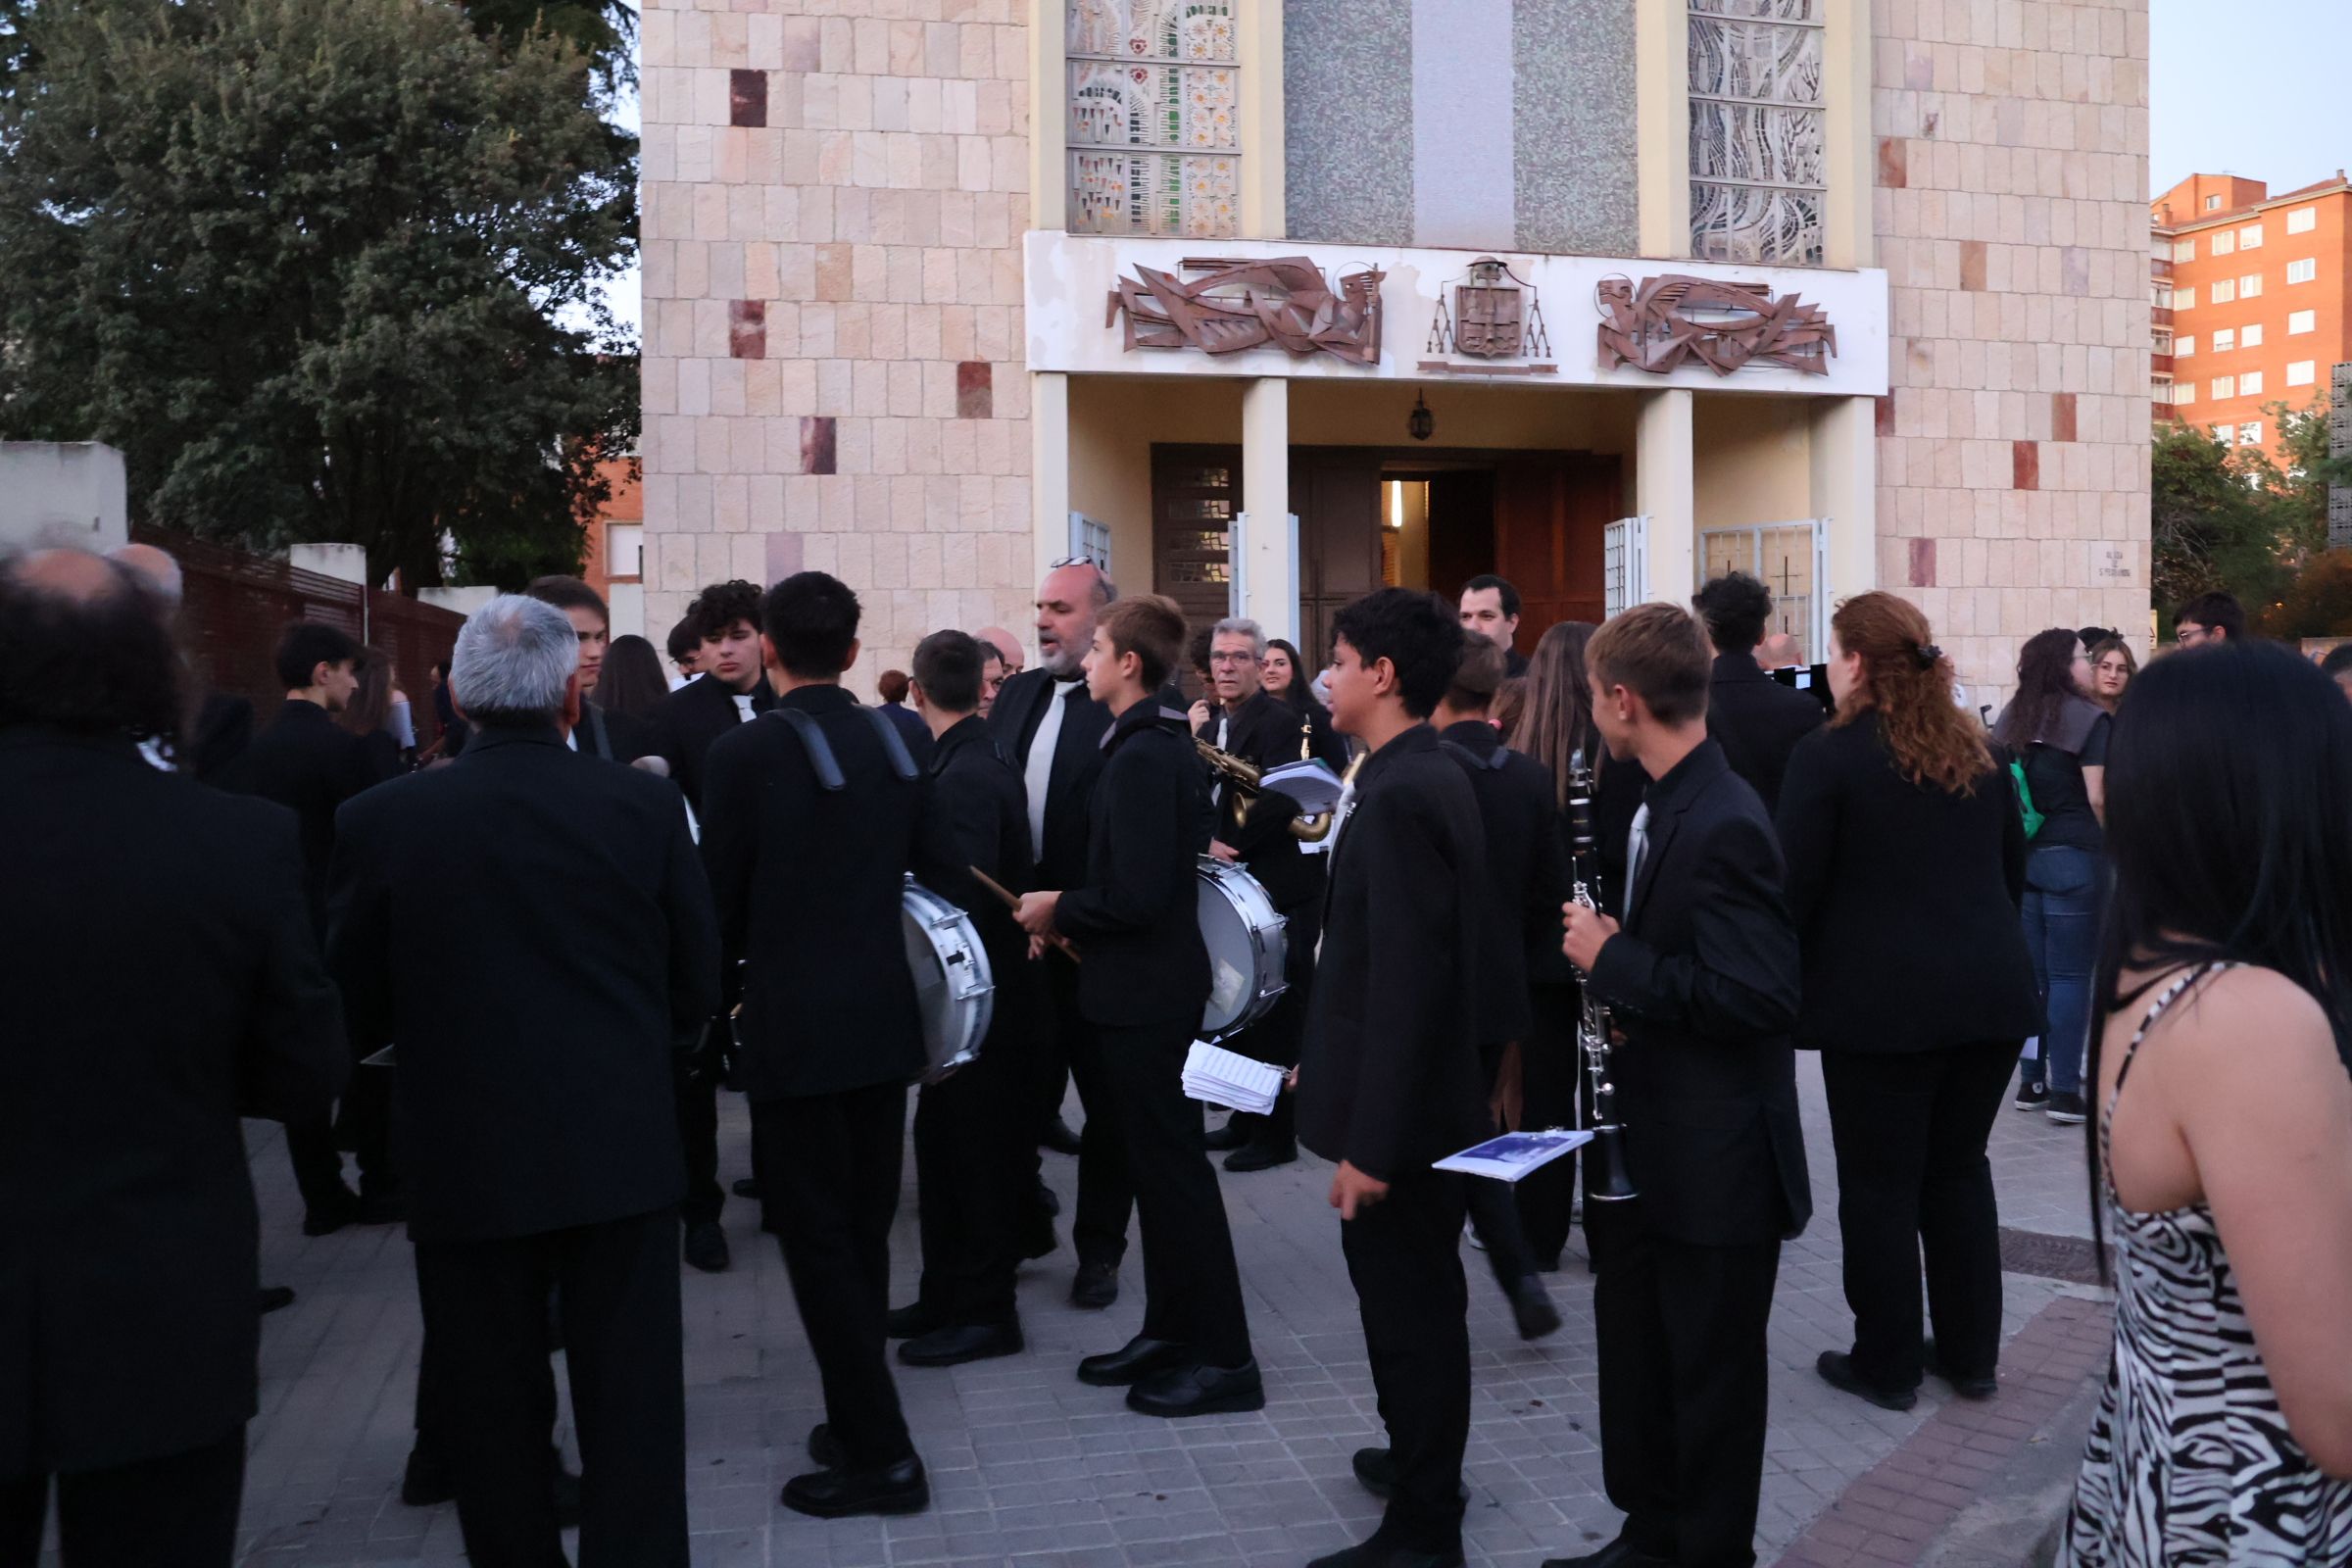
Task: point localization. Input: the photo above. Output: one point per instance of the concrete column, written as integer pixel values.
(1272, 597)
(1050, 473)
(1845, 490)
(1664, 493)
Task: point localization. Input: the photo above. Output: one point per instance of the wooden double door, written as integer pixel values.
(1534, 517)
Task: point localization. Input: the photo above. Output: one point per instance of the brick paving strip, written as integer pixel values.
(1893, 1513)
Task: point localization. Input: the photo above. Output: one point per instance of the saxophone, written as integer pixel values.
(1606, 1177)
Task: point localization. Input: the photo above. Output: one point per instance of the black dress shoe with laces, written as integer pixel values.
(1235, 1134)
(424, 1483)
(1261, 1154)
(1060, 1137)
(1199, 1390)
(824, 1450)
(331, 1213)
(1138, 1358)
(705, 1246)
(1962, 1383)
(1617, 1553)
(959, 1343)
(1382, 1552)
(1096, 1287)
(914, 1318)
(1375, 1470)
(900, 1488)
(1836, 1369)
(1531, 1308)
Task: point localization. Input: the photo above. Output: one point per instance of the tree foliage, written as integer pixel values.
(324, 269)
(2239, 519)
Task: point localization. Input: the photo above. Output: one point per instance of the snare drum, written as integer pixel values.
(1245, 947)
(953, 986)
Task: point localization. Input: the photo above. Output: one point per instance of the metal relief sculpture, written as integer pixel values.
(1489, 313)
(1232, 306)
(1151, 117)
(1674, 318)
(1757, 119)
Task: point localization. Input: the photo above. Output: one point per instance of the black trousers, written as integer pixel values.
(1280, 1034)
(1404, 1259)
(974, 1150)
(1191, 1288)
(176, 1511)
(1909, 1129)
(829, 1169)
(492, 1404)
(1682, 1386)
(697, 1082)
(1106, 1195)
(1551, 1070)
(363, 1122)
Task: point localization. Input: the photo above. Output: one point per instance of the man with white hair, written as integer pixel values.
(568, 905)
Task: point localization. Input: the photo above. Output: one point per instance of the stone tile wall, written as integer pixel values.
(834, 194)
(2011, 215)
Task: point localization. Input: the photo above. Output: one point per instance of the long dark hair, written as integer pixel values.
(632, 683)
(2226, 826)
(371, 700)
(2045, 679)
(1557, 721)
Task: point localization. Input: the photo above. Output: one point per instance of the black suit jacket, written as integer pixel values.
(1703, 982)
(601, 732)
(1527, 874)
(689, 719)
(1757, 721)
(976, 815)
(1267, 731)
(809, 884)
(310, 764)
(564, 905)
(1020, 709)
(1905, 898)
(1390, 1077)
(1136, 917)
(163, 978)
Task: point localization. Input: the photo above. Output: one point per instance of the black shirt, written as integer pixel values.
(2055, 778)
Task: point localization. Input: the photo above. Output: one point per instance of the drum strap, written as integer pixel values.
(826, 766)
(1491, 761)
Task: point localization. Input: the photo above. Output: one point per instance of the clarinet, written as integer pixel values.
(1607, 1178)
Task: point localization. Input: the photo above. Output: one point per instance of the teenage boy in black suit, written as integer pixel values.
(808, 827)
(974, 1143)
(1703, 979)
(615, 737)
(1142, 985)
(1390, 1081)
(1754, 718)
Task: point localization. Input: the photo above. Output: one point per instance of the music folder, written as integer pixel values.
(1222, 1077)
(1514, 1155)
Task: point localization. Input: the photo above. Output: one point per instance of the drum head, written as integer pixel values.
(1233, 979)
(943, 1028)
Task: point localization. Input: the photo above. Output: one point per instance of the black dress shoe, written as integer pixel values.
(1262, 1155)
(1531, 1306)
(1836, 1369)
(1199, 1390)
(1046, 1199)
(331, 1213)
(1036, 1236)
(425, 1483)
(1096, 1287)
(705, 1246)
(1235, 1134)
(1059, 1138)
(824, 1448)
(1376, 1470)
(746, 1187)
(568, 1498)
(271, 1297)
(1379, 1552)
(382, 1208)
(1138, 1358)
(906, 1322)
(960, 1343)
(1616, 1554)
(1968, 1388)
(900, 1488)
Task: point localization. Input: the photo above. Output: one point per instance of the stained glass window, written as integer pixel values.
(1154, 131)
(1757, 171)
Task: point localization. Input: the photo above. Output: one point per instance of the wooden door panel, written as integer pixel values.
(1338, 503)
(1549, 514)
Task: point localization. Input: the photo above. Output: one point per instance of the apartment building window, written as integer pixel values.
(2185, 393)
(2163, 389)
(2224, 290)
(2185, 344)
(2249, 286)
(2162, 341)
(1152, 109)
(2303, 372)
(2225, 340)
(2304, 270)
(2185, 250)
(1758, 175)
(2299, 323)
(2213, 204)
(2226, 434)
(2250, 337)
(2250, 238)
(2303, 220)
(2249, 385)
(2183, 299)
(2223, 387)
(2224, 242)
(2249, 434)
(2163, 296)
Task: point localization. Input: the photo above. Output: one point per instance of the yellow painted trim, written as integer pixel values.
(1265, 213)
(1048, 78)
(1049, 467)
(1662, 122)
(1665, 491)
(1850, 152)
(1844, 474)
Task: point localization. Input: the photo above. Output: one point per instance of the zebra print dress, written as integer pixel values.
(2190, 1463)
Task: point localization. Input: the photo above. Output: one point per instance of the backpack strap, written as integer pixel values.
(894, 745)
(1491, 763)
(821, 759)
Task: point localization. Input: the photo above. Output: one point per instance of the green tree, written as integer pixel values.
(324, 269)
(2210, 527)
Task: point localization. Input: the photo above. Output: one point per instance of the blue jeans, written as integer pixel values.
(2061, 912)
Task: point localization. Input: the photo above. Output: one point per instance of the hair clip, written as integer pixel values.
(1928, 654)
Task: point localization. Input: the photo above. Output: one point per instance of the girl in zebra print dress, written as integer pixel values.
(2226, 1172)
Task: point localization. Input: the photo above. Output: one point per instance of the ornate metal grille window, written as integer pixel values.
(1757, 171)
(1153, 131)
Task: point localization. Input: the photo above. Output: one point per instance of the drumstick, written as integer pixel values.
(1012, 901)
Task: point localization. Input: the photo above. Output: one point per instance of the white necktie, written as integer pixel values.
(1637, 849)
(1040, 771)
(743, 708)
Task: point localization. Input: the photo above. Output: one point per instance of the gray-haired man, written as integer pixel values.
(568, 905)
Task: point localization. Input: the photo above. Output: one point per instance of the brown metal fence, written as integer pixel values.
(234, 606)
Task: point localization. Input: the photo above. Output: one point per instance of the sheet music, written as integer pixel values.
(1223, 1077)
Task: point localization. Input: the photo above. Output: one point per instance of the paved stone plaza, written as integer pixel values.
(1031, 1467)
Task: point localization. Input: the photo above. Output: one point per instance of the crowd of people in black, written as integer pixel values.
(511, 972)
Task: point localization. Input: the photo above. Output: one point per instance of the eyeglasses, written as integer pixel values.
(2190, 635)
(1232, 658)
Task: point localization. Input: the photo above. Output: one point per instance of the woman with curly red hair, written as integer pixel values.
(1906, 861)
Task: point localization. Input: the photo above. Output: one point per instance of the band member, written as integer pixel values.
(1142, 986)
(1702, 977)
(1528, 880)
(1489, 608)
(1754, 718)
(601, 732)
(1251, 723)
(973, 1145)
(732, 690)
(809, 828)
(1390, 1081)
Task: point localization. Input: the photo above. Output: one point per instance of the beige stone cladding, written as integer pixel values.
(2010, 212)
(834, 196)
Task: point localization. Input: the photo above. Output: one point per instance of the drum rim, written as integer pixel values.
(1235, 883)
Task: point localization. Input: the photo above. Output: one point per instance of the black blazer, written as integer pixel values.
(1135, 918)
(1757, 721)
(1703, 982)
(1905, 899)
(601, 732)
(161, 978)
(311, 764)
(976, 813)
(1526, 874)
(688, 719)
(1390, 1077)
(911, 729)
(1266, 731)
(566, 906)
(1020, 709)
(809, 884)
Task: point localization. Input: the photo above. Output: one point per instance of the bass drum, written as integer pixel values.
(953, 986)
(1245, 947)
